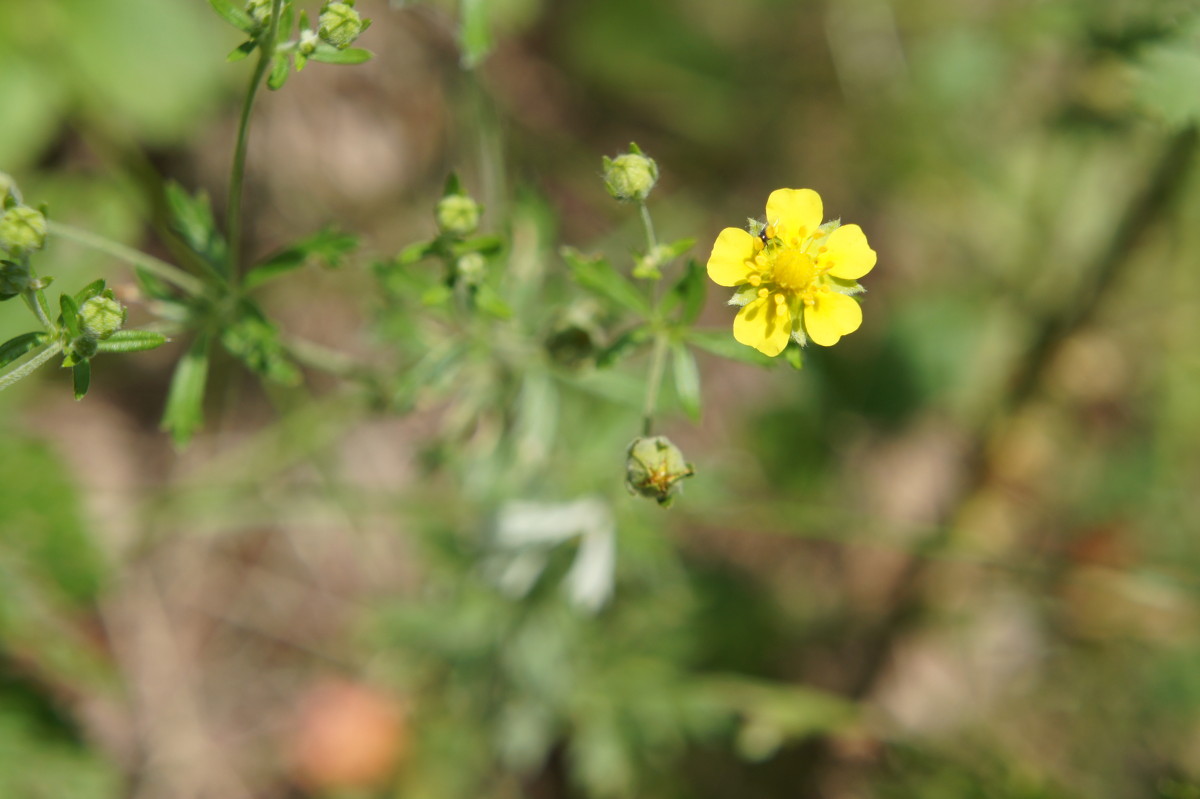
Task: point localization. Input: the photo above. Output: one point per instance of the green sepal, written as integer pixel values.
(626, 344)
(453, 185)
(242, 50)
(132, 341)
(722, 342)
(328, 246)
(81, 376)
(598, 276)
(17, 346)
(794, 355)
(70, 314)
(93, 289)
(687, 379)
(279, 72)
(299, 59)
(184, 412)
(235, 16)
(328, 54)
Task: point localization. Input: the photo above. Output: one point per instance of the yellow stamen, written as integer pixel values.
(754, 280)
(762, 293)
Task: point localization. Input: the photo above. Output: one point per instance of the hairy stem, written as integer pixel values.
(159, 268)
(658, 361)
(237, 176)
(30, 366)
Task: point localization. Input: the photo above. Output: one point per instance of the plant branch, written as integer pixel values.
(30, 366)
(155, 266)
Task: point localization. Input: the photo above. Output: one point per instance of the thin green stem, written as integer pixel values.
(237, 176)
(658, 362)
(35, 304)
(30, 366)
(159, 268)
(651, 239)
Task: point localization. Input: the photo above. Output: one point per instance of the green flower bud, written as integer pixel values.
(631, 176)
(14, 279)
(339, 24)
(458, 215)
(471, 268)
(100, 317)
(22, 230)
(259, 11)
(308, 42)
(654, 467)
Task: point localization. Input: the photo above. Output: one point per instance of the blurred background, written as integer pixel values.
(952, 557)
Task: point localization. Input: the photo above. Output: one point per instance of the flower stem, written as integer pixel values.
(28, 368)
(237, 176)
(658, 361)
(651, 239)
(159, 268)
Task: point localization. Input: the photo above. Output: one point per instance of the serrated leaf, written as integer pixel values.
(17, 346)
(598, 276)
(235, 16)
(81, 377)
(722, 342)
(132, 341)
(687, 379)
(690, 292)
(70, 314)
(327, 54)
(474, 33)
(328, 245)
(184, 413)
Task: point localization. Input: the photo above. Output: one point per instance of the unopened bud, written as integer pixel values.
(654, 467)
(308, 42)
(471, 268)
(339, 24)
(100, 317)
(631, 176)
(22, 230)
(458, 215)
(259, 11)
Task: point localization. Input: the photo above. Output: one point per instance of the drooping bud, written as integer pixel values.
(339, 24)
(631, 176)
(22, 230)
(654, 467)
(458, 215)
(100, 317)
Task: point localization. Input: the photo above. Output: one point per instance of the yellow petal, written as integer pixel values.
(763, 325)
(729, 263)
(795, 213)
(847, 254)
(832, 316)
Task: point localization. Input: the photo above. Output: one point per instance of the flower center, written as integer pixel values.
(794, 270)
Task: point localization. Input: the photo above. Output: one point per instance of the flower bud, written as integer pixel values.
(458, 215)
(100, 317)
(259, 11)
(631, 176)
(22, 230)
(339, 24)
(308, 42)
(471, 268)
(654, 468)
(14, 279)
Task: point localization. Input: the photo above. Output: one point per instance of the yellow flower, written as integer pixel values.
(794, 279)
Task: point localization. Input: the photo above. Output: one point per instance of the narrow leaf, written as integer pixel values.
(132, 341)
(184, 413)
(687, 380)
(235, 16)
(93, 289)
(327, 245)
(81, 375)
(70, 314)
(242, 50)
(690, 292)
(279, 72)
(331, 55)
(474, 35)
(598, 276)
(17, 346)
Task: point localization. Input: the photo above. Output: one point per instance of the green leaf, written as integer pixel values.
(626, 344)
(235, 16)
(93, 289)
(328, 246)
(453, 185)
(328, 54)
(184, 413)
(474, 33)
(191, 218)
(153, 286)
(415, 252)
(491, 303)
(283, 31)
(132, 341)
(1166, 76)
(242, 50)
(722, 342)
(81, 375)
(687, 380)
(689, 293)
(484, 245)
(437, 294)
(794, 354)
(17, 346)
(598, 276)
(70, 314)
(279, 72)
(254, 340)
